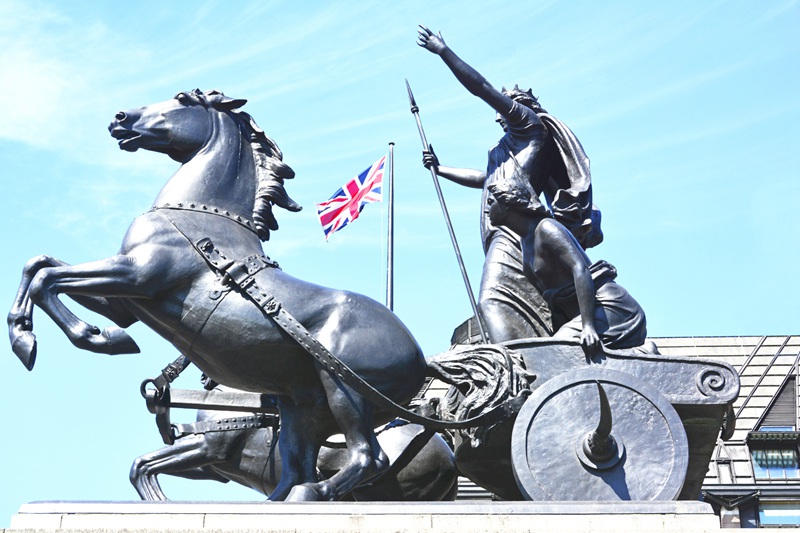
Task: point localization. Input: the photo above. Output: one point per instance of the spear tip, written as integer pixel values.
(410, 96)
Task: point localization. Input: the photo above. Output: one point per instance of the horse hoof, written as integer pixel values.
(119, 342)
(24, 345)
(303, 493)
(306, 492)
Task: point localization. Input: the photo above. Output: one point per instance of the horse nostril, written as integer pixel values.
(120, 116)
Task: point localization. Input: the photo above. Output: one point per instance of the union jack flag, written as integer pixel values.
(346, 204)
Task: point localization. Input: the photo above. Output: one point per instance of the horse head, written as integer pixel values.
(178, 127)
(208, 123)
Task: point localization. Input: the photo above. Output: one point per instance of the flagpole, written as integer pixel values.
(426, 146)
(390, 236)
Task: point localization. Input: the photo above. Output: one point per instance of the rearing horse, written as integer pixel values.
(231, 175)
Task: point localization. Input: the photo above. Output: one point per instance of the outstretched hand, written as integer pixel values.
(431, 41)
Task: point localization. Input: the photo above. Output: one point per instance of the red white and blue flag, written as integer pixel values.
(346, 204)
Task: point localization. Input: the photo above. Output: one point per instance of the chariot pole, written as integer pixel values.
(390, 236)
(426, 146)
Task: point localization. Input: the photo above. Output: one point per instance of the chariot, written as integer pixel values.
(617, 426)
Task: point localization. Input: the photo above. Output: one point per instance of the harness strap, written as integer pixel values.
(242, 275)
(239, 273)
(158, 399)
(257, 421)
(200, 314)
(243, 221)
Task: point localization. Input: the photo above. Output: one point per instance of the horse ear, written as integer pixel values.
(231, 103)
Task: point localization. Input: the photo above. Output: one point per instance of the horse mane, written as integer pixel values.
(271, 171)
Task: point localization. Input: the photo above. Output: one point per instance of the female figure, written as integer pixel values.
(585, 301)
(539, 149)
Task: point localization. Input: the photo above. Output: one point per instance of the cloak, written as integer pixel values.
(571, 200)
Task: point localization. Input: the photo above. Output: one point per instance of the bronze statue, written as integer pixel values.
(540, 150)
(585, 301)
(192, 269)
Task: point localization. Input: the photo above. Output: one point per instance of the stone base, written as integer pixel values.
(444, 517)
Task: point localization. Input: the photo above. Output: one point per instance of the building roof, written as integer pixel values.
(766, 366)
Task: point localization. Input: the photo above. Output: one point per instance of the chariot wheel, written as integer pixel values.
(601, 435)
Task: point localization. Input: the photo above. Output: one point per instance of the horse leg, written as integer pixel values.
(423, 467)
(118, 276)
(20, 318)
(185, 458)
(366, 460)
(300, 438)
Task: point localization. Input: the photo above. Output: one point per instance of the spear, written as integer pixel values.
(426, 146)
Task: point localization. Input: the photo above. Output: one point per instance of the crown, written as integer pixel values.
(524, 97)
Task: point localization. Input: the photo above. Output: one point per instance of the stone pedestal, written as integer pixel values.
(440, 517)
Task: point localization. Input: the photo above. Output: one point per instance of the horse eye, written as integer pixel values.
(182, 98)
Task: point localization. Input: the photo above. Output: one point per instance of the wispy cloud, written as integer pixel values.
(715, 130)
(58, 74)
(777, 9)
(662, 93)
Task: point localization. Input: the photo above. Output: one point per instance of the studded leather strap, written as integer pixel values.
(254, 421)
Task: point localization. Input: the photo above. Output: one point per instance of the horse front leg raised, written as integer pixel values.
(118, 277)
(20, 318)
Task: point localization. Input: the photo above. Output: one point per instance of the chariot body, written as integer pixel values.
(618, 426)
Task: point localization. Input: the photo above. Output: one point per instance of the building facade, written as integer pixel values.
(753, 479)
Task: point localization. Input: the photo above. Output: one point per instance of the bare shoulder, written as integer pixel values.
(553, 238)
(550, 228)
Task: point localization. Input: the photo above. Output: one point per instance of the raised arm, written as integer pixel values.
(468, 76)
(463, 176)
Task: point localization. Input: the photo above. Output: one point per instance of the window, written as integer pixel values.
(781, 413)
(776, 464)
(779, 514)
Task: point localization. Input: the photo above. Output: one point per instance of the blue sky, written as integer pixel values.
(689, 112)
